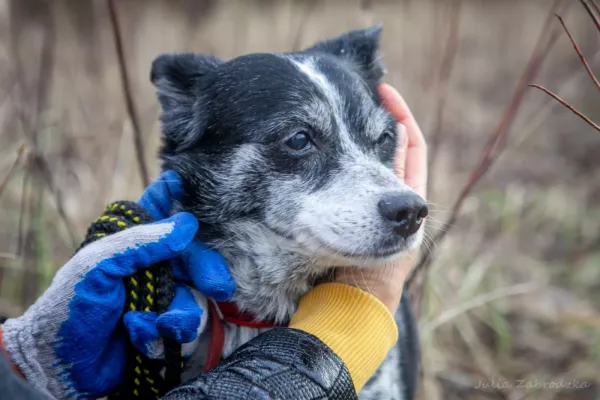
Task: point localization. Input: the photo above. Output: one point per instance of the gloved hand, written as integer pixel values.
(69, 345)
(198, 271)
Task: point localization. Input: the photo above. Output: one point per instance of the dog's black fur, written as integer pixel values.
(283, 216)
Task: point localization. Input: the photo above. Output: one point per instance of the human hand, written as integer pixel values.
(70, 343)
(410, 165)
(198, 271)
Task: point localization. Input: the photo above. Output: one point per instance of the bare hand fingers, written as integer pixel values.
(415, 164)
(401, 150)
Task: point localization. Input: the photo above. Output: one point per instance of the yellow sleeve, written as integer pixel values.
(352, 323)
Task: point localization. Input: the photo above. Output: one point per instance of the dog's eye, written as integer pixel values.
(383, 139)
(299, 141)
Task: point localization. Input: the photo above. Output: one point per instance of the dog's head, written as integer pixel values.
(296, 145)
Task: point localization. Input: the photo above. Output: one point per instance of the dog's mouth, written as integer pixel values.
(315, 247)
(379, 255)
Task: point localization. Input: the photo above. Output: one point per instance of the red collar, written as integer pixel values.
(227, 312)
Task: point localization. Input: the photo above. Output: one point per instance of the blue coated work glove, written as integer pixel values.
(198, 271)
(69, 345)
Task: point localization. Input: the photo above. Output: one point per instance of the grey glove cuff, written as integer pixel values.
(31, 339)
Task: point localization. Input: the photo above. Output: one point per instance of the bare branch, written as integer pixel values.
(492, 149)
(446, 66)
(596, 7)
(36, 164)
(579, 53)
(570, 107)
(30, 260)
(20, 224)
(135, 123)
(12, 169)
(591, 13)
(40, 165)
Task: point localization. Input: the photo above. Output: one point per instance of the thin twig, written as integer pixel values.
(445, 71)
(36, 165)
(591, 13)
(30, 262)
(596, 7)
(579, 53)
(127, 94)
(30, 122)
(493, 147)
(12, 169)
(20, 224)
(40, 165)
(570, 107)
(28, 259)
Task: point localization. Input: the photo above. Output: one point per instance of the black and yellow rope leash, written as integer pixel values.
(150, 290)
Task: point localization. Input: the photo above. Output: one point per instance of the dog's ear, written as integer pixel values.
(180, 80)
(360, 47)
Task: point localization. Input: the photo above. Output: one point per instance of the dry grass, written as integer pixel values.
(513, 291)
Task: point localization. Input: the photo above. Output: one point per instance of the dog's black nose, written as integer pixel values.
(406, 211)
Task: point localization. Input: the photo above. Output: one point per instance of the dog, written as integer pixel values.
(287, 162)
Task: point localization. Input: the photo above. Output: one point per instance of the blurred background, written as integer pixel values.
(512, 299)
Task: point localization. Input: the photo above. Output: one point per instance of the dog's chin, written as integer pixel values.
(330, 255)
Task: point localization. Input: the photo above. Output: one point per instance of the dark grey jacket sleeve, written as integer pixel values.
(282, 363)
(13, 387)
